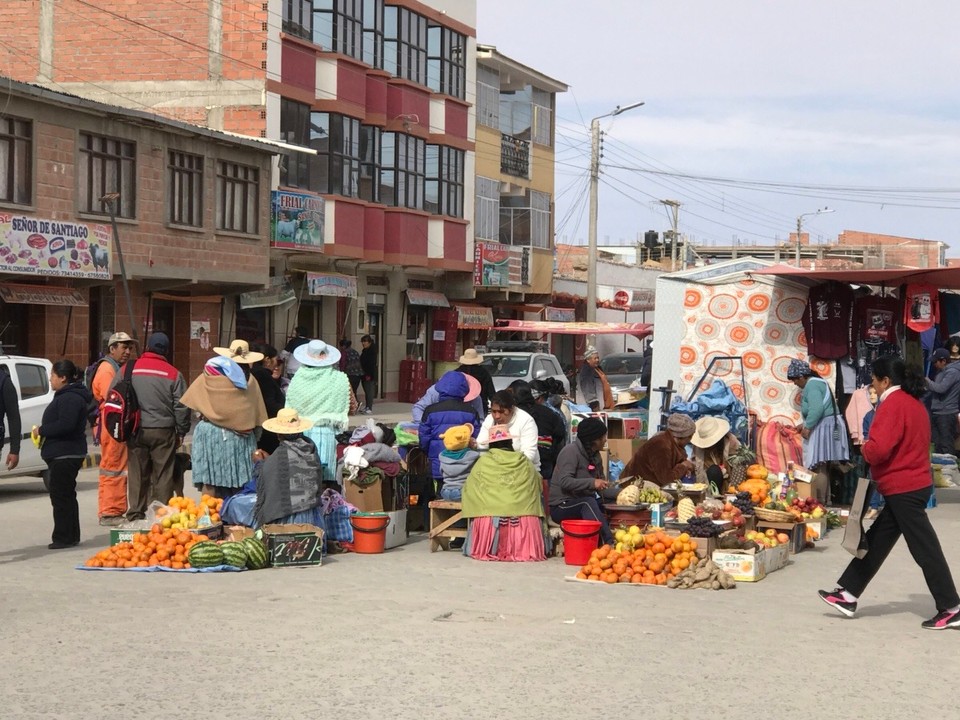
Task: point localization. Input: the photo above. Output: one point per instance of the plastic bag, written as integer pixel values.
(616, 469)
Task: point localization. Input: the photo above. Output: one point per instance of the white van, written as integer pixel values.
(31, 377)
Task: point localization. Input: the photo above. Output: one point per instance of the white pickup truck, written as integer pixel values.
(31, 378)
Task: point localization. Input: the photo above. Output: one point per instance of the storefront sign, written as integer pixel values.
(491, 265)
(268, 297)
(31, 246)
(41, 295)
(331, 285)
(427, 298)
(635, 300)
(556, 314)
(296, 221)
(474, 317)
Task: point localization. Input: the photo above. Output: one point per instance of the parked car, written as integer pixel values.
(621, 370)
(506, 367)
(31, 378)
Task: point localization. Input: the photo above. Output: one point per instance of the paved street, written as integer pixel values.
(409, 635)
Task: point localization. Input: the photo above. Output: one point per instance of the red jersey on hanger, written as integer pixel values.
(921, 307)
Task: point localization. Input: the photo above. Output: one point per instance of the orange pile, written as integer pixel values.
(208, 504)
(168, 548)
(653, 562)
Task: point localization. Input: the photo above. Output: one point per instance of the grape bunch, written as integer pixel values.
(743, 503)
(702, 527)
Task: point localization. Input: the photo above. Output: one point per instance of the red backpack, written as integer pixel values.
(120, 416)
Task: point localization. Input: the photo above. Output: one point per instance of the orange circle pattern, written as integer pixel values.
(692, 298)
(688, 356)
(758, 302)
(752, 360)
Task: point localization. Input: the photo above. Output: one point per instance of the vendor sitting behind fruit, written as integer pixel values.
(713, 444)
(578, 476)
(663, 459)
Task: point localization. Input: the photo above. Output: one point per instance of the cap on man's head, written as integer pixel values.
(159, 343)
(119, 337)
(940, 354)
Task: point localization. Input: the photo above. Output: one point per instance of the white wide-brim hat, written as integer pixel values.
(317, 353)
(710, 431)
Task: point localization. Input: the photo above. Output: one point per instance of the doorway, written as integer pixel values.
(375, 330)
(163, 322)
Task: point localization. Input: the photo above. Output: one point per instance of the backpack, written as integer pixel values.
(94, 415)
(121, 410)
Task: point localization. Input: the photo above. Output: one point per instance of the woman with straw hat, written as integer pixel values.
(225, 440)
(713, 444)
(321, 392)
(289, 481)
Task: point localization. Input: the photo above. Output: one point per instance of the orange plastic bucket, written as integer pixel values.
(369, 532)
(580, 538)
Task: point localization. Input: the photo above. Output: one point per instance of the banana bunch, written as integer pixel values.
(651, 495)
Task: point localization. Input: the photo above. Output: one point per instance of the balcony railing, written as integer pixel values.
(514, 156)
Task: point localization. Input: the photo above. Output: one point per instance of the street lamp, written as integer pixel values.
(821, 211)
(594, 185)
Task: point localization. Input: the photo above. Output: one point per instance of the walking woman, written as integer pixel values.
(63, 437)
(898, 451)
(368, 363)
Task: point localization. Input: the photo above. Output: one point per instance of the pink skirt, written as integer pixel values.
(506, 539)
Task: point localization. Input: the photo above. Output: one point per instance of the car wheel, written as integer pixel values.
(45, 476)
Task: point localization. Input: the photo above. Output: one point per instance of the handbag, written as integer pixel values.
(854, 537)
(778, 445)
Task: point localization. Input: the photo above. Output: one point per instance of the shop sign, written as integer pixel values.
(474, 317)
(427, 298)
(41, 295)
(268, 297)
(491, 266)
(635, 300)
(331, 285)
(32, 246)
(557, 314)
(296, 221)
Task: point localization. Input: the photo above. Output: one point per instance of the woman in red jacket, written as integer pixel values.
(898, 451)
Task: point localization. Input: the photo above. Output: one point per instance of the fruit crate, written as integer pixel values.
(796, 531)
(213, 531)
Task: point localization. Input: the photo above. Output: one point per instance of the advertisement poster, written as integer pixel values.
(278, 294)
(296, 221)
(33, 246)
(200, 330)
(331, 285)
(491, 265)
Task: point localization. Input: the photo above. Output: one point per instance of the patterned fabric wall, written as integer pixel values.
(761, 324)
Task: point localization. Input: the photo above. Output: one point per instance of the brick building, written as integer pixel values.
(191, 216)
(372, 228)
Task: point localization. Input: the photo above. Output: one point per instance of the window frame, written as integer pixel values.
(294, 14)
(18, 155)
(486, 200)
(446, 68)
(345, 21)
(228, 183)
(185, 169)
(41, 373)
(407, 169)
(405, 44)
(444, 180)
(373, 33)
(295, 130)
(488, 97)
(111, 151)
(530, 219)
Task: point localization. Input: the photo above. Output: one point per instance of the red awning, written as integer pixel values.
(941, 277)
(638, 330)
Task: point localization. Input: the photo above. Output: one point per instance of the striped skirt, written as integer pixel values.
(221, 458)
(517, 539)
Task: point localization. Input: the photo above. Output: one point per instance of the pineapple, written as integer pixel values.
(685, 509)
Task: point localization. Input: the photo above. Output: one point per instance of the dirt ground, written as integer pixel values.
(410, 634)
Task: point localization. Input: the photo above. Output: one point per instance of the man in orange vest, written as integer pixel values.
(113, 454)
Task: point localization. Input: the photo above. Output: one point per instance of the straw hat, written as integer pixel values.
(120, 337)
(626, 397)
(239, 352)
(287, 422)
(473, 386)
(471, 357)
(710, 431)
(317, 353)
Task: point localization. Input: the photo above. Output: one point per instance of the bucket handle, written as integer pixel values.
(371, 530)
(579, 535)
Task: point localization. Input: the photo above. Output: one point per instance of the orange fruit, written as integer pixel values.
(581, 575)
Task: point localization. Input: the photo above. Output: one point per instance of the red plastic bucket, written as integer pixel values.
(369, 532)
(580, 538)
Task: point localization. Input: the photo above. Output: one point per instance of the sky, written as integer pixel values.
(789, 107)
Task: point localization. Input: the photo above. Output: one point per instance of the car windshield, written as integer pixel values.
(621, 365)
(506, 365)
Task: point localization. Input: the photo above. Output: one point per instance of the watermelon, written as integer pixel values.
(204, 555)
(234, 554)
(256, 553)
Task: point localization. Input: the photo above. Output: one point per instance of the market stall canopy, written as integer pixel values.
(41, 295)
(638, 330)
(941, 277)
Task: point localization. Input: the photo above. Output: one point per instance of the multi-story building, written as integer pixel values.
(373, 101)
(191, 208)
(514, 214)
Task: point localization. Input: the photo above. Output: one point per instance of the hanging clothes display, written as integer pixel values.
(828, 320)
(876, 318)
(949, 314)
(867, 352)
(921, 307)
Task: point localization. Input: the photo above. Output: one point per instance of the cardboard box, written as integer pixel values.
(577, 418)
(627, 428)
(396, 530)
(620, 449)
(820, 525)
(796, 531)
(750, 565)
(379, 496)
(236, 533)
(705, 546)
(293, 545)
(658, 513)
(119, 536)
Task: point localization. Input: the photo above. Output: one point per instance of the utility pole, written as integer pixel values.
(822, 211)
(674, 212)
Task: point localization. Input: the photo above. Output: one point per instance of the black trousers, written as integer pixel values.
(354, 383)
(944, 431)
(904, 514)
(369, 391)
(63, 497)
(583, 508)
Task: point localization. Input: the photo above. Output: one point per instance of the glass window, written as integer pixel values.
(16, 161)
(487, 209)
(369, 163)
(525, 220)
(446, 53)
(444, 181)
(488, 97)
(373, 33)
(185, 192)
(238, 198)
(405, 44)
(402, 176)
(516, 113)
(338, 26)
(297, 18)
(542, 117)
(335, 169)
(32, 380)
(295, 129)
(107, 165)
